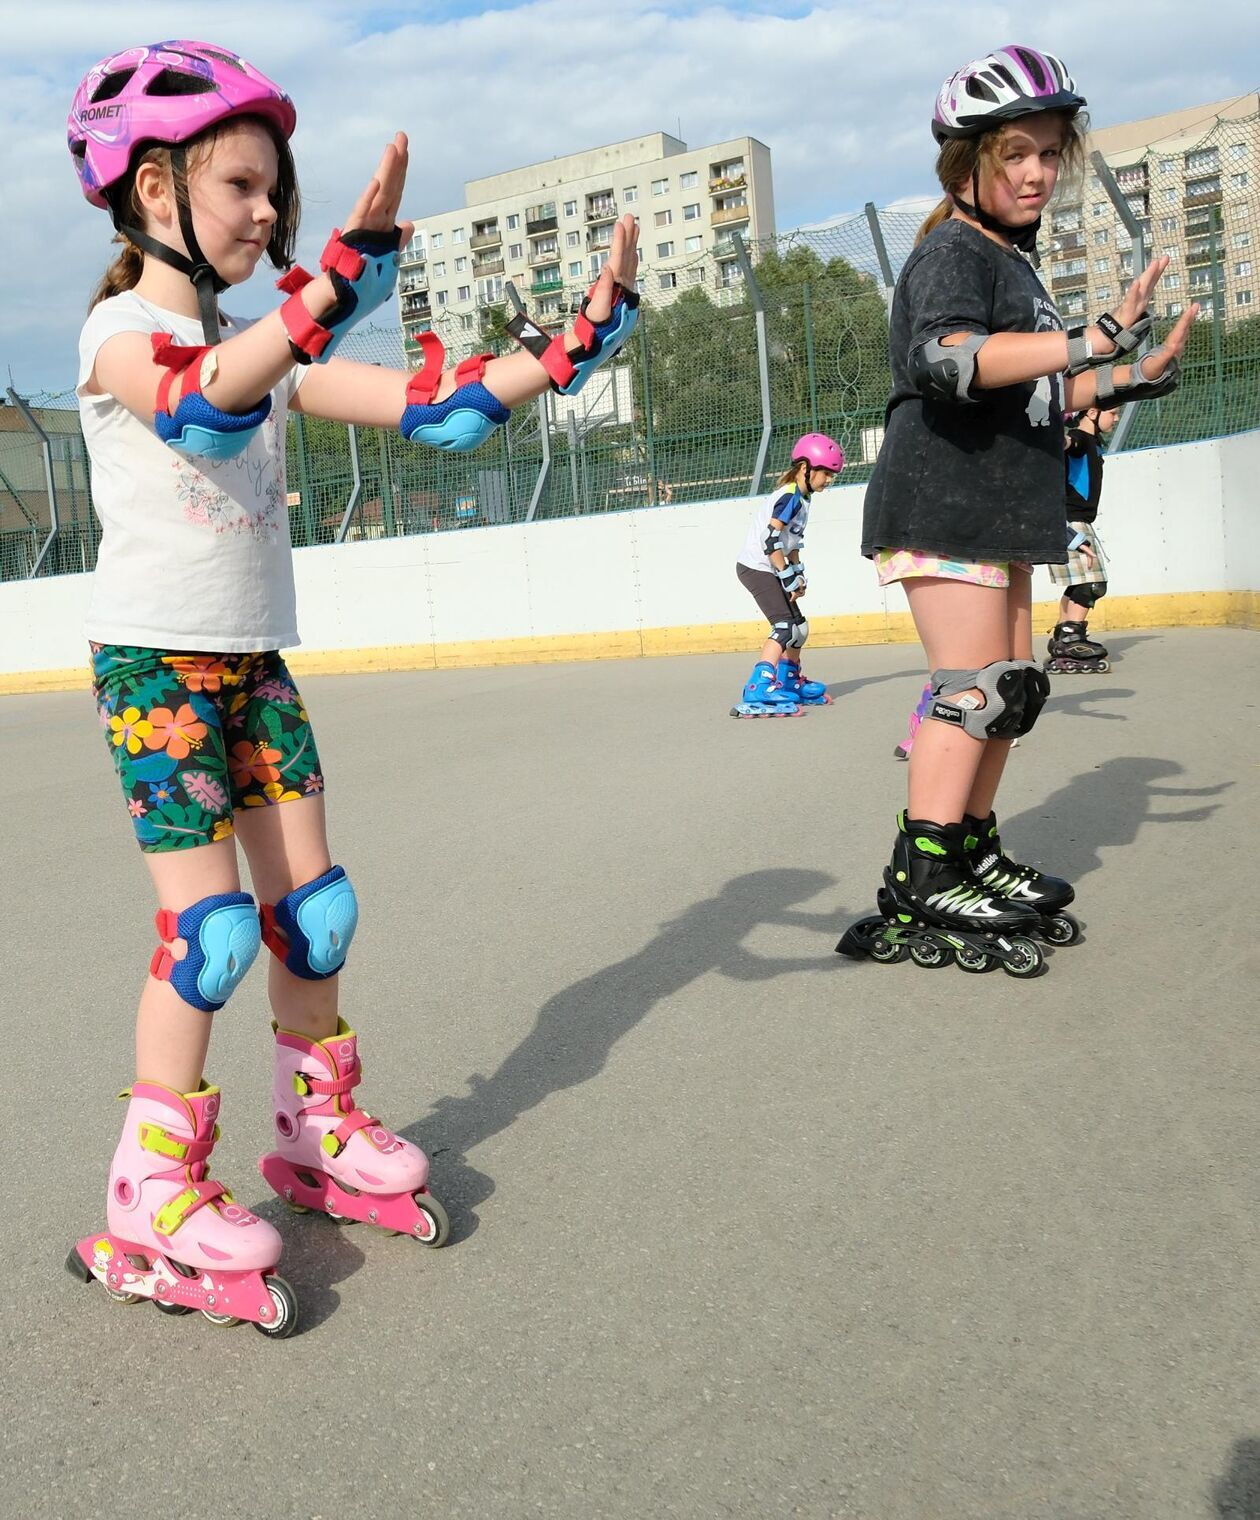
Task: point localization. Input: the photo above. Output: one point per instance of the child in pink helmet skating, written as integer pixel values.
(183, 411)
(769, 567)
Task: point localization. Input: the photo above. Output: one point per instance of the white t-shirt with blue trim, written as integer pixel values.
(788, 507)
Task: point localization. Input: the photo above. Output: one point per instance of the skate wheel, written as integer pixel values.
(900, 752)
(1103, 667)
(284, 1301)
(930, 957)
(977, 962)
(1061, 929)
(222, 1320)
(887, 952)
(1028, 960)
(433, 1222)
(165, 1306)
(120, 1297)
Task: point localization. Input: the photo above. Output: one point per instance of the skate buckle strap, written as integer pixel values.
(326, 1086)
(336, 1140)
(162, 1143)
(175, 1211)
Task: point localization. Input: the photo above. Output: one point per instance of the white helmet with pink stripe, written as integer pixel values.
(1012, 82)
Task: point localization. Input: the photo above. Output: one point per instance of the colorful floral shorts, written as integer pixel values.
(195, 736)
(907, 564)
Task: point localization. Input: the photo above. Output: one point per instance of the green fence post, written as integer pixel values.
(1218, 321)
(810, 361)
(389, 523)
(304, 479)
(647, 408)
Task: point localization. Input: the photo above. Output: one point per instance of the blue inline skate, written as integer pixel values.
(807, 693)
(765, 696)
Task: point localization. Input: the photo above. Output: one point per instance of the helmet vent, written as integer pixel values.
(174, 82)
(111, 85)
(1034, 66)
(1007, 78)
(982, 91)
(229, 58)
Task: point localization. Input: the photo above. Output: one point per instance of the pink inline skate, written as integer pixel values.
(173, 1236)
(334, 1157)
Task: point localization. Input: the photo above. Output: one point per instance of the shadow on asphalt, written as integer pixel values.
(1237, 1494)
(578, 1028)
(838, 689)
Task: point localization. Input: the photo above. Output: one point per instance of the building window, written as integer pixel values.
(689, 181)
(1099, 208)
(466, 322)
(458, 235)
(696, 276)
(572, 239)
(439, 270)
(516, 250)
(441, 298)
(1170, 254)
(1168, 224)
(1067, 220)
(1241, 240)
(513, 221)
(695, 244)
(691, 213)
(575, 270)
(1242, 298)
(1103, 294)
(1203, 161)
(1101, 266)
(1170, 196)
(1238, 181)
(1173, 309)
(461, 264)
(630, 194)
(1171, 281)
(660, 187)
(1209, 186)
(1100, 237)
(669, 280)
(1166, 166)
(1068, 266)
(570, 208)
(664, 250)
(1074, 304)
(1243, 267)
(1238, 150)
(464, 293)
(664, 219)
(437, 240)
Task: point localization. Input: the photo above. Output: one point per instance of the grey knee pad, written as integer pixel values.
(1014, 691)
(800, 632)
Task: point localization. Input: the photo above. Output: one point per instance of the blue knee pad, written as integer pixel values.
(459, 424)
(310, 929)
(223, 937)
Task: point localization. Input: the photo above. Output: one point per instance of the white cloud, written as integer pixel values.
(841, 94)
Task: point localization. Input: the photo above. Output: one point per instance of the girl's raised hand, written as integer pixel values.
(621, 269)
(1138, 296)
(1157, 361)
(376, 210)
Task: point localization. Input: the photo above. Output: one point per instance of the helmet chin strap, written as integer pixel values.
(206, 280)
(1023, 238)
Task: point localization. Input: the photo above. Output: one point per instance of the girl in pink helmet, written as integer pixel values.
(183, 410)
(967, 495)
(769, 567)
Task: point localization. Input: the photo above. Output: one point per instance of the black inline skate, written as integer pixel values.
(933, 910)
(1046, 895)
(1072, 652)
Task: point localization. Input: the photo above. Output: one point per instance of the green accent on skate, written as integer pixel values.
(929, 846)
(970, 842)
(905, 918)
(901, 876)
(950, 940)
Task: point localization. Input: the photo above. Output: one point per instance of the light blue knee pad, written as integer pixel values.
(223, 938)
(316, 924)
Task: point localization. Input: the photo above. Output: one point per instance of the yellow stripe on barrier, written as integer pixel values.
(1181, 609)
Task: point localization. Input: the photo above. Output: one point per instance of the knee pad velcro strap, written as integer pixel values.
(222, 936)
(310, 929)
(1014, 692)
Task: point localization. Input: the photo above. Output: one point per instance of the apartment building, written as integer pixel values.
(548, 228)
(1192, 180)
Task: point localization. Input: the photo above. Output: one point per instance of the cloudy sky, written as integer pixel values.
(841, 91)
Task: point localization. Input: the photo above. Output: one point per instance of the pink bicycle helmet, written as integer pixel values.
(819, 452)
(1012, 82)
(166, 92)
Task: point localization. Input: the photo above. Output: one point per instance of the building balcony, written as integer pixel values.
(416, 306)
(1201, 196)
(1066, 283)
(1199, 256)
(601, 211)
(600, 239)
(541, 218)
(728, 215)
(485, 240)
(546, 285)
(487, 266)
(543, 256)
(412, 283)
(1066, 242)
(720, 183)
(723, 248)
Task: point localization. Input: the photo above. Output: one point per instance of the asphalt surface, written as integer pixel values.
(741, 1228)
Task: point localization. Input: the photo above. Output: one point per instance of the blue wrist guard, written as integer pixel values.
(197, 428)
(601, 341)
(465, 419)
(363, 268)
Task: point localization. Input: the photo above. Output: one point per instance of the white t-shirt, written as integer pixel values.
(195, 554)
(788, 507)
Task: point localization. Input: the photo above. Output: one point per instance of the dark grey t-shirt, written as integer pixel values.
(970, 480)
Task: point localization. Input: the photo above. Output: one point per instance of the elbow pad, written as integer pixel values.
(1111, 392)
(945, 372)
(197, 428)
(363, 268)
(467, 417)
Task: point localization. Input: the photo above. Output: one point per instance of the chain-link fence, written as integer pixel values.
(735, 354)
